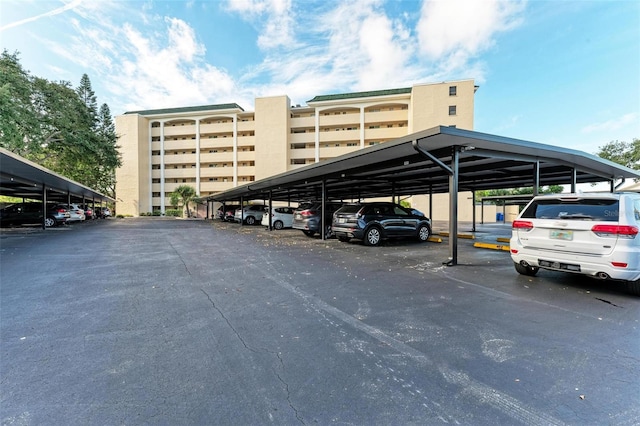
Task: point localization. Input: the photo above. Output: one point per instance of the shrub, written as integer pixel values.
(173, 212)
(157, 213)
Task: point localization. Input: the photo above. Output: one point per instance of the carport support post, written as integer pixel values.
(431, 201)
(324, 211)
(574, 178)
(536, 178)
(270, 210)
(453, 208)
(473, 210)
(44, 206)
(241, 210)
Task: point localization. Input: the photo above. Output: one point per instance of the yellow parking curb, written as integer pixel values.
(434, 240)
(492, 246)
(465, 236)
(503, 240)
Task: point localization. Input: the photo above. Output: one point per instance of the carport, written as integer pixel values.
(25, 179)
(438, 160)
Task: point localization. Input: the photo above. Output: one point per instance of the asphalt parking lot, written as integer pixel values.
(167, 321)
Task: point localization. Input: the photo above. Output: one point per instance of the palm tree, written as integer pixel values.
(183, 194)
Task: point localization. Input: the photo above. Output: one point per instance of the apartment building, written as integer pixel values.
(217, 147)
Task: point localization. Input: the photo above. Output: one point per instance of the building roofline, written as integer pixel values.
(201, 108)
(355, 95)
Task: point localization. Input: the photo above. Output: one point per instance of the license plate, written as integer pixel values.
(560, 234)
(342, 220)
(298, 216)
(559, 265)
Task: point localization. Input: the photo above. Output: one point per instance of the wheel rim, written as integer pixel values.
(250, 220)
(48, 222)
(277, 225)
(373, 236)
(424, 233)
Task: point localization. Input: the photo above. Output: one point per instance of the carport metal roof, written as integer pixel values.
(22, 178)
(438, 160)
(398, 167)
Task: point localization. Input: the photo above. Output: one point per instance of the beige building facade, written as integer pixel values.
(218, 147)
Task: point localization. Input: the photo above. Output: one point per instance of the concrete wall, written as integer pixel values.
(272, 133)
(430, 105)
(133, 179)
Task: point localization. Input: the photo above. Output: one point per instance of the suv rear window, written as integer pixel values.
(585, 209)
(350, 208)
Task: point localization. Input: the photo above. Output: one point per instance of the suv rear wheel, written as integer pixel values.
(634, 287)
(250, 220)
(526, 270)
(424, 233)
(372, 237)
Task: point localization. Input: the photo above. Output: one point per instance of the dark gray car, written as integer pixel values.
(307, 218)
(373, 222)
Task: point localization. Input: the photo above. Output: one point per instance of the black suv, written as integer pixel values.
(307, 218)
(373, 222)
(31, 214)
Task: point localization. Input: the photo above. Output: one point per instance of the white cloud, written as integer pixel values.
(454, 31)
(149, 61)
(274, 20)
(613, 124)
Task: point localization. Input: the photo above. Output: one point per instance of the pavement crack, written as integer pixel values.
(264, 350)
(286, 387)
(181, 259)
(228, 322)
(606, 301)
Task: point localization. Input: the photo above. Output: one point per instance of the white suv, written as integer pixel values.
(590, 234)
(251, 214)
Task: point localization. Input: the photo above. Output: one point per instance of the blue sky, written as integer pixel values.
(566, 73)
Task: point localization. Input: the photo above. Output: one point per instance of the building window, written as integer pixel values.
(298, 161)
(453, 90)
(452, 110)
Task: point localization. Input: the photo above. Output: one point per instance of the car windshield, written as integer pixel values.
(586, 209)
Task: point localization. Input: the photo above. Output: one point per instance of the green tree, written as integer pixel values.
(551, 189)
(627, 154)
(88, 97)
(109, 155)
(56, 126)
(182, 196)
(18, 121)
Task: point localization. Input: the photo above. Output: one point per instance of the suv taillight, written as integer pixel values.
(307, 213)
(622, 231)
(522, 224)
